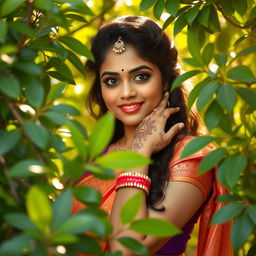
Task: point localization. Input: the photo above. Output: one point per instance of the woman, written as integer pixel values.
(135, 65)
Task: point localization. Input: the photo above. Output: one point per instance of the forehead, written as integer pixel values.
(127, 60)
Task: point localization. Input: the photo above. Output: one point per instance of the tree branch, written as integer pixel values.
(234, 23)
(9, 180)
(93, 19)
(21, 122)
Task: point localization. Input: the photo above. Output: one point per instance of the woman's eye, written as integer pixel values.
(111, 81)
(142, 77)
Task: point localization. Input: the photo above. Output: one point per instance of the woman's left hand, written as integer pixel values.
(150, 136)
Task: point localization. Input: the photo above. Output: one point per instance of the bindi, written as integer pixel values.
(122, 69)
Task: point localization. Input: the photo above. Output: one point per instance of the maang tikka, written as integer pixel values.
(119, 46)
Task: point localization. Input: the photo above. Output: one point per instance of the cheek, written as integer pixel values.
(108, 98)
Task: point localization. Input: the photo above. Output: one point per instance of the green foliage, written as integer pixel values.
(43, 44)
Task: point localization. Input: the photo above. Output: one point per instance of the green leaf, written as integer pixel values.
(3, 31)
(211, 159)
(56, 117)
(229, 198)
(226, 97)
(242, 226)
(34, 90)
(172, 6)
(208, 53)
(146, 4)
(43, 4)
(122, 160)
(252, 213)
(154, 227)
(56, 91)
(240, 6)
(196, 144)
(192, 62)
(194, 93)
(192, 13)
(168, 22)
(26, 168)
(242, 73)
(64, 239)
(39, 208)
(10, 86)
(77, 138)
(248, 96)
(29, 67)
(247, 50)
(8, 140)
(101, 134)
(76, 62)
(193, 46)
(62, 208)
(9, 6)
(179, 24)
(16, 245)
(236, 165)
(159, 8)
(76, 224)
(76, 46)
(213, 21)
(38, 134)
(58, 143)
(227, 212)
(213, 115)
(63, 71)
(181, 78)
(203, 16)
(133, 245)
(206, 94)
(100, 172)
(65, 109)
(20, 221)
(87, 195)
(221, 59)
(131, 207)
(22, 28)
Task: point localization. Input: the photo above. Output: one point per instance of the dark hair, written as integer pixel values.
(154, 46)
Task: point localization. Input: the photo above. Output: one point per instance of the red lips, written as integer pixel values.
(130, 108)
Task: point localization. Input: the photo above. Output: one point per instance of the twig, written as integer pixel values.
(234, 23)
(21, 122)
(93, 19)
(9, 180)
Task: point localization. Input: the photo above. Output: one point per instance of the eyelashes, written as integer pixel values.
(138, 78)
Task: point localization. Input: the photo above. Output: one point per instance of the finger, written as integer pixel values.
(170, 111)
(162, 105)
(173, 131)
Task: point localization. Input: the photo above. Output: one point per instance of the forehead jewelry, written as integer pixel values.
(119, 46)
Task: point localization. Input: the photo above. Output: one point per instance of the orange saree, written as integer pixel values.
(213, 240)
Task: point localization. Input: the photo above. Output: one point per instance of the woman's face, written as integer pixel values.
(131, 86)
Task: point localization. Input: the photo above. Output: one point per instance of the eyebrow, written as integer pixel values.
(129, 72)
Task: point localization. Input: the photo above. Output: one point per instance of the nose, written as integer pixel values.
(127, 90)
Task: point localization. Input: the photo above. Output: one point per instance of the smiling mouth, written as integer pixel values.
(131, 108)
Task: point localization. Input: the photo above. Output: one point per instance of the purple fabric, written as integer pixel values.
(177, 244)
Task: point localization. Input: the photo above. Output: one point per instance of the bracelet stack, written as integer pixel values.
(133, 179)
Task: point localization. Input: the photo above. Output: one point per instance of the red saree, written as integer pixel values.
(213, 240)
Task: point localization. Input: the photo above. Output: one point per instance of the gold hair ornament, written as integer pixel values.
(119, 46)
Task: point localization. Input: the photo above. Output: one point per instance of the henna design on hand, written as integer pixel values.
(145, 128)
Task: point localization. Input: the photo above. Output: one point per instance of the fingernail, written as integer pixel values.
(166, 93)
(180, 125)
